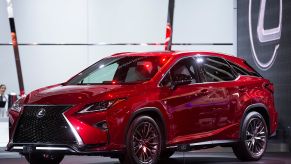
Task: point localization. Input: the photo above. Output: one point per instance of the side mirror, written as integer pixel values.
(180, 79)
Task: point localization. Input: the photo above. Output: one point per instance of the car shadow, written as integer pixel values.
(214, 158)
(191, 160)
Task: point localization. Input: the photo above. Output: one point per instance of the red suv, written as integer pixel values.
(142, 107)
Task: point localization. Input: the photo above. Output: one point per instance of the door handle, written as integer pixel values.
(204, 91)
(241, 89)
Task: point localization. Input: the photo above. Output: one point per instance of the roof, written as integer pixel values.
(179, 54)
(153, 53)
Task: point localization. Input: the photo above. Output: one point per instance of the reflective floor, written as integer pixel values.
(177, 158)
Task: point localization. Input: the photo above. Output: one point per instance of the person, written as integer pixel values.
(3, 101)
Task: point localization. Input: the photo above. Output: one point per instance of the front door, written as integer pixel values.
(188, 104)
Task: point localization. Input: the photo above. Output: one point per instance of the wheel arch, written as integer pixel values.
(152, 112)
(260, 108)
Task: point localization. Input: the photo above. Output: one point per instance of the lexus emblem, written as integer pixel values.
(265, 35)
(41, 113)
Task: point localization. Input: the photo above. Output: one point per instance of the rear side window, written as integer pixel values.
(254, 72)
(216, 69)
(239, 70)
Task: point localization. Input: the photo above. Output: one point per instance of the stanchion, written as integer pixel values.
(12, 97)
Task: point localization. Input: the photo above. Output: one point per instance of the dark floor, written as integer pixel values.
(177, 158)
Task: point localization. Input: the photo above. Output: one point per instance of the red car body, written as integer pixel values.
(198, 114)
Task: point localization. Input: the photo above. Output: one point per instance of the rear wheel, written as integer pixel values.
(44, 158)
(144, 142)
(253, 140)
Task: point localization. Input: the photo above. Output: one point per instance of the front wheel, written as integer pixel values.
(254, 138)
(44, 158)
(144, 142)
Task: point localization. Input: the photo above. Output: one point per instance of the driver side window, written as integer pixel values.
(182, 69)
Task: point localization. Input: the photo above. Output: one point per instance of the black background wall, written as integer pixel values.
(249, 46)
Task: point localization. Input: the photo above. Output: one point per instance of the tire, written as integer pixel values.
(143, 142)
(44, 158)
(253, 138)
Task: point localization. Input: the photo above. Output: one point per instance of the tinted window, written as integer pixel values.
(216, 69)
(238, 69)
(254, 72)
(184, 67)
(242, 71)
(166, 80)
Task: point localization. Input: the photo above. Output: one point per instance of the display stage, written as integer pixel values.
(177, 158)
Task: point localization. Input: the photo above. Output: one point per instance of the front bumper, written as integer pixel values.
(89, 137)
(62, 149)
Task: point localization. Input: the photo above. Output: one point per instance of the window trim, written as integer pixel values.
(201, 77)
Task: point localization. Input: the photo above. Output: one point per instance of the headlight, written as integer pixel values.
(100, 106)
(17, 105)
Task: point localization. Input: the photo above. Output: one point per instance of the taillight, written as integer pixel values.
(269, 86)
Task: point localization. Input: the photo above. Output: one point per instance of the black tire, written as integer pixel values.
(253, 138)
(143, 142)
(44, 158)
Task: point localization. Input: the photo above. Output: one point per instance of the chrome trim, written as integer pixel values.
(75, 133)
(214, 142)
(201, 143)
(68, 105)
(17, 147)
(52, 148)
(223, 141)
(172, 147)
(43, 148)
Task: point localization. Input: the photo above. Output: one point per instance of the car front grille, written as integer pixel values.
(44, 125)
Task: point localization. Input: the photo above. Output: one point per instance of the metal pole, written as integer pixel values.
(169, 28)
(15, 46)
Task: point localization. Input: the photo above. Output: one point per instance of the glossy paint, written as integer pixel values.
(191, 113)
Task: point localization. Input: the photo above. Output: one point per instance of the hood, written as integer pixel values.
(76, 94)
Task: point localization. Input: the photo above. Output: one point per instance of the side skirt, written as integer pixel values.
(202, 145)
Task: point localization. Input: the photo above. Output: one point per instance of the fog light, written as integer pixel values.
(102, 125)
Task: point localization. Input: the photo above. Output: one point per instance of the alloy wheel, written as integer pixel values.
(256, 136)
(145, 142)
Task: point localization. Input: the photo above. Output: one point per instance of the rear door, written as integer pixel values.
(219, 81)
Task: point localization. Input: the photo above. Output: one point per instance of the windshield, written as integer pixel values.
(120, 70)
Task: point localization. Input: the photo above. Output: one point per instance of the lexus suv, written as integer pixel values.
(142, 107)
